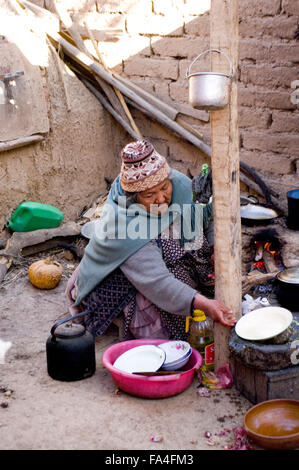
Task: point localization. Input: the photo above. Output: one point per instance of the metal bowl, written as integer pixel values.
(274, 424)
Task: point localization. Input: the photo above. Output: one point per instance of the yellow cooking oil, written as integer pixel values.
(201, 337)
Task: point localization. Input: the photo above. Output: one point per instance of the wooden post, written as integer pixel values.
(225, 169)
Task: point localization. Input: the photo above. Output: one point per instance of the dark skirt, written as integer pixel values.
(108, 300)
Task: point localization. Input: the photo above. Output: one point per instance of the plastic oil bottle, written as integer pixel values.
(201, 337)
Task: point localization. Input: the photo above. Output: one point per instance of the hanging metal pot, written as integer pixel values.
(209, 90)
(70, 351)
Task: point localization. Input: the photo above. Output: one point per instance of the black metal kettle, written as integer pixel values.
(70, 351)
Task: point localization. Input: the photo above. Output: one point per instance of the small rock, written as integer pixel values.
(4, 404)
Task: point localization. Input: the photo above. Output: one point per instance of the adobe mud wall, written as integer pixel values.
(68, 167)
(152, 42)
(155, 44)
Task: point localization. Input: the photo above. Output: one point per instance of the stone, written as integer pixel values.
(264, 355)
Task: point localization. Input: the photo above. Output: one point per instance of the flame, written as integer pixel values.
(267, 247)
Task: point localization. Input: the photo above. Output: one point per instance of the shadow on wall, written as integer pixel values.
(268, 67)
(137, 42)
(152, 43)
(40, 96)
(154, 53)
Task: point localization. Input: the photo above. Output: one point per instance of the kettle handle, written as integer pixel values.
(205, 52)
(64, 320)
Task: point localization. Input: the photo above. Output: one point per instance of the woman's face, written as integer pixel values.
(156, 199)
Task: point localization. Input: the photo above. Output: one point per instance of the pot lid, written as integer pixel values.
(290, 275)
(256, 212)
(69, 330)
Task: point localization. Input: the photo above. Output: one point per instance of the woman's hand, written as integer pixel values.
(215, 310)
(71, 292)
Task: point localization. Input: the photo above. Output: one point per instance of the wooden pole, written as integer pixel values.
(226, 167)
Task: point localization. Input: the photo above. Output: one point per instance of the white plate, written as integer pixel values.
(177, 365)
(264, 323)
(175, 350)
(146, 358)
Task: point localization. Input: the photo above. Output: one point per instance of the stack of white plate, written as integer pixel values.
(171, 355)
(177, 354)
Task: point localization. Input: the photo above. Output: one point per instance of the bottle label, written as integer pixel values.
(209, 354)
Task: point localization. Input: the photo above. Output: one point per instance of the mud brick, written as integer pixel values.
(98, 22)
(266, 161)
(198, 26)
(287, 144)
(254, 49)
(179, 47)
(285, 121)
(165, 7)
(179, 91)
(257, 8)
(155, 24)
(195, 7)
(258, 97)
(202, 65)
(284, 53)
(250, 117)
(290, 7)
(112, 6)
(152, 67)
(277, 27)
(269, 76)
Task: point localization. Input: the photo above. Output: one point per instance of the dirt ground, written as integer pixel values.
(39, 413)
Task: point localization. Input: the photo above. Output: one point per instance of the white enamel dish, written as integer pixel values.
(175, 350)
(177, 365)
(177, 354)
(263, 323)
(146, 358)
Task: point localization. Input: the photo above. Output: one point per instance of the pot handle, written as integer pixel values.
(205, 52)
(64, 320)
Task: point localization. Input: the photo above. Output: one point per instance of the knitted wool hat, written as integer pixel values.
(142, 167)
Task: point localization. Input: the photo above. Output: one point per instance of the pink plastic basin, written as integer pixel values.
(149, 387)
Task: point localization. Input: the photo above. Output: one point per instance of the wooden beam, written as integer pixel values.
(20, 142)
(226, 169)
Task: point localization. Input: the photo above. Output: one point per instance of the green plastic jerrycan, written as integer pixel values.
(33, 216)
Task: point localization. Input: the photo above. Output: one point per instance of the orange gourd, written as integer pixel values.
(45, 273)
